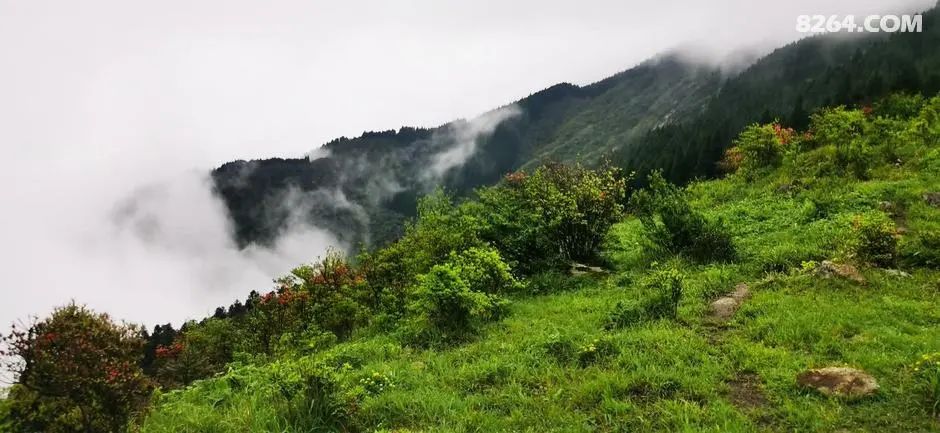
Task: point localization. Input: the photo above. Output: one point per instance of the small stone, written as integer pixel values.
(839, 381)
(723, 308)
(828, 269)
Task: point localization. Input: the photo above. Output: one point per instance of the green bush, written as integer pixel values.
(877, 239)
(444, 306)
(663, 291)
(760, 147)
(440, 229)
(899, 106)
(920, 249)
(318, 404)
(484, 270)
(673, 227)
(555, 214)
(844, 129)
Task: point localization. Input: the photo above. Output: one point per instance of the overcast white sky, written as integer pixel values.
(99, 99)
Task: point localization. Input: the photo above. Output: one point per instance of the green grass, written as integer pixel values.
(529, 371)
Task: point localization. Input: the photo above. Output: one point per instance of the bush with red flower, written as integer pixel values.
(75, 371)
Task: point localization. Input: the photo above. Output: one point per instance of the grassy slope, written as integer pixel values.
(684, 375)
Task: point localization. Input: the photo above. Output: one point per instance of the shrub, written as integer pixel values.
(202, 350)
(663, 291)
(376, 382)
(76, 371)
(328, 293)
(555, 214)
(444, 307)
(921, 249)
(313, 401)
(485, 271)
(758, 146)
(439, 230)
(672, 226)
(899, 105)
(877, 240)
(843, 129)
(927, 377)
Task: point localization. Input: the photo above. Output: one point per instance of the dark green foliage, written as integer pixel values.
(201, 351)
(445, 308)
(799, 78)
(673, 227)
(454, 298)
(76, 371)
(662, 293)
(556, 214)
(877, 239)
(318, 404)
(921, 249)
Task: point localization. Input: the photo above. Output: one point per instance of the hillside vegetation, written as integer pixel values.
(637, 347)
(697, 308)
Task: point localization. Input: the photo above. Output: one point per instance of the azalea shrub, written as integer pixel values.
(757, 147)
(553, 215)
(330, 293)
(673, 227)
(76, 370)
(200, 351)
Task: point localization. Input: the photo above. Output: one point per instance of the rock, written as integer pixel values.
(839, 381)
(829, 269)
(932, 198)
(581, 269)
(723, 308)
(897, 273)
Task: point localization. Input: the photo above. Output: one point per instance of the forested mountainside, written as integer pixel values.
(665, 113)
(788, 84)
(366, 186)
